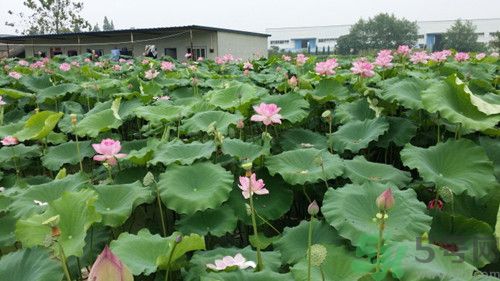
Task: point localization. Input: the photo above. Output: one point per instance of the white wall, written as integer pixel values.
(243, 46)
(485, 26)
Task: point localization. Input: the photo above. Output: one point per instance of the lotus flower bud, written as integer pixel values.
(240, 124)
(446, 194)
(73, 119)
(108, 267)
(385, 201)
(178, 239)
(313, 208)
(318, 254)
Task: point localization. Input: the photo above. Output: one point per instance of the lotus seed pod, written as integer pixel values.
(326, 114)
(247, 166)
(318, 254)
(73, 118)
(446, 194)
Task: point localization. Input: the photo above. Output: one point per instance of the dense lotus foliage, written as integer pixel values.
(288, 168)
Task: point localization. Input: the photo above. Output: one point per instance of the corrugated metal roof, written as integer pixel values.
(122, 31)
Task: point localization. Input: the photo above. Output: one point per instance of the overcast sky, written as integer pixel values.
(257, 15)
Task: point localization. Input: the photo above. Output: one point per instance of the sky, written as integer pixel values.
(257, 15)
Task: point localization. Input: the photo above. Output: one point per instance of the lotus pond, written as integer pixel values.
(287, 168)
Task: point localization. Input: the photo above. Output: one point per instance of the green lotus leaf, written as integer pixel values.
(329, 89)
(339, 264)
(359, 171)
(161, 113)
(406, 92)
(55, 92)
(248, 275)
(356, 110)
(150, 89)
(294, 108)
(233, 96)
(301, 138)
(36, 83)
(270, 206)
(116, 202)
(7, 235)
(143, 155)
(452, 99)
(492, 149)
(15, 94)
(263, 241)
(401, 131)
(201, 186)
(216, 222)
(139, 252)
(243, 151)
(10, 155)
(302, 166)
(293, 243)
(200, 259)
(473, 238)
(497, 229)
(29, 265)
(356, 135)
(202, 121)
(76, 212)
(144, 253)
(23, 204)
(39, 125)
(66, 153)
(96, 122)
(459, 165)
(351, 210)
(183, 153)
(415, 262)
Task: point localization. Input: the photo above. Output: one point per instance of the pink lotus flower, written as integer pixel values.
(9, 140)
(15, 75)
(238, 261)
(250, 186)
(363, 67)
(75, 63)
(108, 267)
(293, 82)
(246, 72)
(461, 56)
(326, 67)
(145, 61)
(403, 50)
(151, 74)
(108, 150)
(480, 56)
(247, 65)
(117, 67)
(122, 60)
(23, 63)
(98, 64)
(439, 56)
(494, 54)
(2, 102)
(385, 201)
(419, 57)
(200, 59)
(313, 208)
(65, 67)
(267, 114)
(87, 60)
(167, 66)
(301, 59)
(37, 64)
(384, 58)
(286, 58)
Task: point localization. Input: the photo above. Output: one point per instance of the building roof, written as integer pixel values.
(156, 30)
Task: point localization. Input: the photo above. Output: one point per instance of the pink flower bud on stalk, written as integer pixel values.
(108, 267)
(313, 208)
(385, 201)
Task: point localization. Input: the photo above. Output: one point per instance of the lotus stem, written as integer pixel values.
(268, 223)
(163, 224)
(309, 242)
(63, 261)
(167, 274)
(260, 265)
(1, 115)
(380, 243)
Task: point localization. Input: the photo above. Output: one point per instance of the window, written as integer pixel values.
(197, 52)
(279, 42)
(72, 53)
(421, 36)
(325, 40)
(171, 52)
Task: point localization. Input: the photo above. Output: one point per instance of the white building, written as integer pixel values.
(201, 41)
(296, 39)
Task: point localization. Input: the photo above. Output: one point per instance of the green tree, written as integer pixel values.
(462, 37)
(96, 28)
(495, 42)
(49, 16)
(383, 31)
(108, 25)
